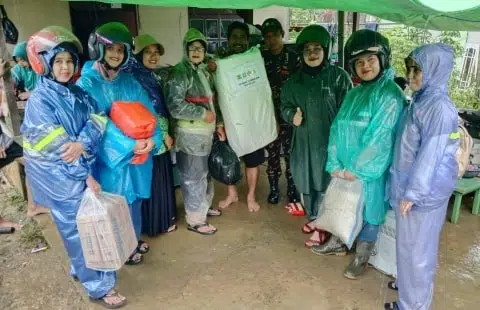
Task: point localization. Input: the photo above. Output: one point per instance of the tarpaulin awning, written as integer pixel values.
(430, 14)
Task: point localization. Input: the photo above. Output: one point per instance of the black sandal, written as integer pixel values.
(205, 233)
(391, 305)
(142, 250)
(392, 285)
(132, 261)
(101, 301)
(214, 212)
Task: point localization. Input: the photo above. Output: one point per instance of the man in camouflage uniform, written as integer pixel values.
(280, 63)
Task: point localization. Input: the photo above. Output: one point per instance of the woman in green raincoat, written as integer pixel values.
(362, 139)
(22, 73)
(310, 101)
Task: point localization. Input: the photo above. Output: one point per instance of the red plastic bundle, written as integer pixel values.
(135, 121)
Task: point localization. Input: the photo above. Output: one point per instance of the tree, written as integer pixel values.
(404, 40)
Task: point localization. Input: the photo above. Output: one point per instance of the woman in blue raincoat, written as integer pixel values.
(160, 211)
(22, 73)
(362, 137)
(110, 47)
(423, 174)
(62, 131)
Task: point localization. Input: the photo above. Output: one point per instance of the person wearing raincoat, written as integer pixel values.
(160, 211)
(423, 174)
(110, 47)
(362, 138)
(310, 100)
(22, 73)
(62, 132)
(190, 101)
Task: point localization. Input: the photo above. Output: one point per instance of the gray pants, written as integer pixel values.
(197, 187)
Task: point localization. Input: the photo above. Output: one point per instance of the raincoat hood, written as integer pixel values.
(20, 50)
(436, 62)
(191, 36)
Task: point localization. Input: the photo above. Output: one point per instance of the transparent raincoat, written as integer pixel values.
(362, 139)
(189, 97)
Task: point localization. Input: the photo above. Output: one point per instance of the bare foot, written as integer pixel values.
(172, 228)
(206, 229)
(227, 202)
(253, 206)
(37, 210)
(5, 224)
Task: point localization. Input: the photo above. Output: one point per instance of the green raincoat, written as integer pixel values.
(22, 76)
(362, 139)
(319, 99)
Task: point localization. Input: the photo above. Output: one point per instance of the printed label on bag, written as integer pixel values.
(244, 76)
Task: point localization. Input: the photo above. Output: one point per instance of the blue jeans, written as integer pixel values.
(369, 232)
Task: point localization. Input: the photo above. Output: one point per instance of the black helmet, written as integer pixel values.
(107, 34)
(365, 41)
(272, 25)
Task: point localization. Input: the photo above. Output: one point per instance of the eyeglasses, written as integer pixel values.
(309, 51)
(196, 49)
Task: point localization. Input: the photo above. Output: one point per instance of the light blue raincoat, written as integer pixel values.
(57, 114)
(424, 171)
(362, 137)
(115, 173)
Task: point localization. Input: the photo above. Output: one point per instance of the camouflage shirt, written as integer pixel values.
(279, 69)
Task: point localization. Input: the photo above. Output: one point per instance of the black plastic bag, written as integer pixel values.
(9, 29)
(224, 164)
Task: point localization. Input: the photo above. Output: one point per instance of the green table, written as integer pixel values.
(466, 186)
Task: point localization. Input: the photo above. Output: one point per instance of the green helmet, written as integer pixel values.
(144, 40)
(364, 42)
(314, 33)
(106, 34)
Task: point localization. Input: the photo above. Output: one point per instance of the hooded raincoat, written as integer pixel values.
(55, 115)
(23, 77)
(319, 98)
(362, 138)
(424, 171)
(115, 172)
(189, 97)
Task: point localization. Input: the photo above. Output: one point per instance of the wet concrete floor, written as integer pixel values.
(258, 261)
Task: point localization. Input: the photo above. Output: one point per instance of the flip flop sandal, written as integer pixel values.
(214, 212)
(391, 305)
(142, 250)
(131, 261)
(103, 303)
(392, 285)
(175, 227)
(306, 229)
(205, 233)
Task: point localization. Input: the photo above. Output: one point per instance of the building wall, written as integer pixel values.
(30, 16)
(278, 12)
(168, 25)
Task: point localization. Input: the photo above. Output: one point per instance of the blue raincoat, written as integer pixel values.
(57, 114)
(115, 173)
(424, 171)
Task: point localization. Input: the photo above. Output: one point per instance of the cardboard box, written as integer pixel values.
(384, 254)
(106, 231)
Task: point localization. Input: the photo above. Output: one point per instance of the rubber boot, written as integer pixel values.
(274, 196)
(292, 194)
(334, 246)
(359, 264)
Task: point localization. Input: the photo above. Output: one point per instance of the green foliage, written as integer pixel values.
(404, 39)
